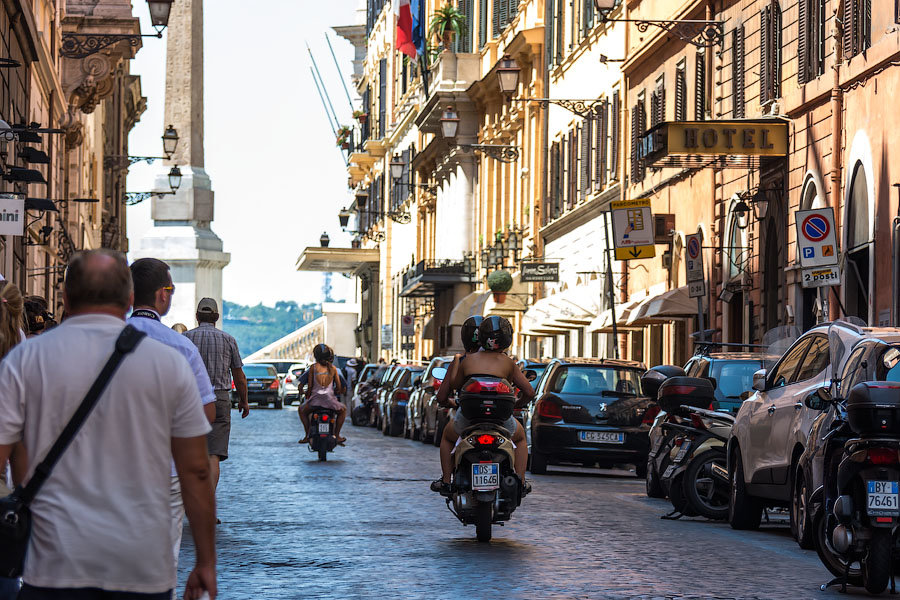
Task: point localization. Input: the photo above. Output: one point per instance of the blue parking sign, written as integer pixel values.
(809, 252)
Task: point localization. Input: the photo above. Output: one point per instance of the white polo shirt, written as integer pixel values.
(102, 519)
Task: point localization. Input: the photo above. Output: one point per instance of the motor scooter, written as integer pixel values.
(321, 431)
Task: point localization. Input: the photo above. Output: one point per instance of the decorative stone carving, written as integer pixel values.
(92, 81)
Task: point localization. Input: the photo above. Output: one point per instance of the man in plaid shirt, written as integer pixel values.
(223, 362)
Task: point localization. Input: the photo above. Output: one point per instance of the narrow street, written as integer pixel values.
(365, 525)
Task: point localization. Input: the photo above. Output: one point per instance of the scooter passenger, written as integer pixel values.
(494, 336)
(324, 384)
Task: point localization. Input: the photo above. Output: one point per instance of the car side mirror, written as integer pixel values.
(759, 380)
(818, 399)
(713, 381)
(530, 374)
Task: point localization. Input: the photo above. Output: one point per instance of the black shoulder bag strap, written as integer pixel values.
(126, 342)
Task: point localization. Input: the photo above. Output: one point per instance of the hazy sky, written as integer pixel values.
(278, 178)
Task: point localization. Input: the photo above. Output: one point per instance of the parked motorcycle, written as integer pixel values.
(363, 413)
(660, 439)
(853, 530)
(321, 435)
(486, 489)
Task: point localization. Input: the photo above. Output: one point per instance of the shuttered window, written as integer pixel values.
(615, 136)
(552, 210)
(700, 86)
(600, 145)
(770, 52)
(559, 27)
(587, 17)
(680, 92)
(811, 40)
(366, 108)
(638, 127)
(504, 11)
(738, 84)
(482, 23)
(658, 103)
(585, 162)
(857, 21)
(464, 40)
(382, 96)
(572, 169)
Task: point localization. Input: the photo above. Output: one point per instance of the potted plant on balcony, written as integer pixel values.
(360, 116)
(500, 282)
(446, 24)
(343, 137)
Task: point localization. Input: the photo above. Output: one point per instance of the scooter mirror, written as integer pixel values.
(530, 374)
(818, 399)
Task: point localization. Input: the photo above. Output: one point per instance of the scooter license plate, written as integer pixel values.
(485, 477)
(682, 451)
(324, 428)
(882, 499)
(668, 472)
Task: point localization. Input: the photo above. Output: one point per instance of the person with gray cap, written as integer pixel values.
(223, 362)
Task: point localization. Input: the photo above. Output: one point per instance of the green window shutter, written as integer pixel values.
(614, 138)
(700, 86)
(803, 42)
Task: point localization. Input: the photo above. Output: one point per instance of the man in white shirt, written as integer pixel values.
(101, 522)
(153, 290)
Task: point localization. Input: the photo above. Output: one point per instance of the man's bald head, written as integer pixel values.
(98, 280)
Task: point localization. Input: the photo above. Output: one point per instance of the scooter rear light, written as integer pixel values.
(486, 440)
(479, 387)
(882, 456)
(679, 441)
(650, 414)
(883, 519)
(402, 395)
(673, 390)
(324, 417)
(549, 410)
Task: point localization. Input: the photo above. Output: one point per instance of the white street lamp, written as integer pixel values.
(449, 123)
(508, 75)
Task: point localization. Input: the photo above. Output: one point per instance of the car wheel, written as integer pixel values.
(384, 425)
(406, 433)
(538, 463)
(395, 427)
(654, 487)
(801, 524)
(744, 511)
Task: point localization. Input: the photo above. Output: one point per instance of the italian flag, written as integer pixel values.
(404, 28)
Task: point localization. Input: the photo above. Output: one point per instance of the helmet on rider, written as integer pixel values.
(469, 333)
(323, 354)
(495, 333)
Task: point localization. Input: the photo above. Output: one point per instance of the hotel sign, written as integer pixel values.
(715, 138)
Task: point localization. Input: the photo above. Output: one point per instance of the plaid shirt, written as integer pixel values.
(219, 352)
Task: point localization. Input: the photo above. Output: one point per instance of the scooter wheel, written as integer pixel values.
(877, 564)
(323, 453)
(833, 561)
(484, 514)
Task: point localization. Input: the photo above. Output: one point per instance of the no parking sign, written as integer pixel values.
(817, 250)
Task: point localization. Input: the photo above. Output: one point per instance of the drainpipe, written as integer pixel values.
(895, 265)
(837, 101)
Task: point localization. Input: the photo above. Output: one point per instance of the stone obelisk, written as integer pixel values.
(181, 233)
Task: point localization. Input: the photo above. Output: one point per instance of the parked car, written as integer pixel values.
(588, 412)
(262, 385)
(422, 410)
(731, 374)
(395, 396)
(771, 428)
(539, 368)
(383, 387)
(287, 389)
(865, 361)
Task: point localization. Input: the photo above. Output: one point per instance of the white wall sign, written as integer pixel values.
(407, 326)
(816, 245)
(821, 277)
(12, 215)
(387, 336)
(696, 289)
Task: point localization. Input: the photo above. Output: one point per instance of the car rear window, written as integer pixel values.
(595, 380)
(734, 377)
(259, 371)
(282, 366)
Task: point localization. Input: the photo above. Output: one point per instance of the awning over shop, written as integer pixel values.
(513, 304)
(337, 260)
(674, 304)
(559, 313)
(603, 322)
(471, 304)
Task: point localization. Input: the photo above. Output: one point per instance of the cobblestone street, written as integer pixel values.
(365, 525)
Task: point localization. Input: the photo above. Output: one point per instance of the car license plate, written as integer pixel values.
(485, 477)
(602, 437)
(668, 471)
(324, 428)
(682, 451)
(882, 499)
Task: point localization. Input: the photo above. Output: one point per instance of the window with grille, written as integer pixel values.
(680, 92)
(700, 86)
(770, 52)
(811, 39)
(857, 21)
(738, 85)
(638, 128)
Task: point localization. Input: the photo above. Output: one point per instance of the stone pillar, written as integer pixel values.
(181, 233)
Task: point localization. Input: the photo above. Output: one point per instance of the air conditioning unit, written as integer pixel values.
(662, 228)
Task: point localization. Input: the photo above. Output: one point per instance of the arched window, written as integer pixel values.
(858, 210)
(856, 278)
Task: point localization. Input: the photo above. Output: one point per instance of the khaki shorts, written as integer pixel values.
(217, 439)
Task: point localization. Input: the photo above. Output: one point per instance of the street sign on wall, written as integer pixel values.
(12, 215)
(387, 336)
(534, 271)
(817, 249)
(407, 326)
(633, 229)
(696, 289)
(693, 260)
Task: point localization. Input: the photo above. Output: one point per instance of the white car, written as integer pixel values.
(772, 426)
(288, 390)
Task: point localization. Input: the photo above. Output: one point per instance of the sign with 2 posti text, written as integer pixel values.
(817, 249)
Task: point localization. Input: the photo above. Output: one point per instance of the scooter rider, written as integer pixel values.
(494, 335)
(324, 384)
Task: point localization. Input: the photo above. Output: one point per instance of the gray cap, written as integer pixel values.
(207, 305)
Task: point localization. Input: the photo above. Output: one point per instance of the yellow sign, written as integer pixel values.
(635, 252)
(745, 138)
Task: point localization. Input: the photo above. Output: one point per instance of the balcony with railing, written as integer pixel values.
(428, 277)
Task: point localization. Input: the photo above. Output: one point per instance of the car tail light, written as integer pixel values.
(289, 379)
(486, 439)
(650, 414)
(273, 385)
(232, 385)
(402, 395)
(697, 422)
(683, 390)
(437, 384)
(882, 456)
(549, 410)
(478, 387)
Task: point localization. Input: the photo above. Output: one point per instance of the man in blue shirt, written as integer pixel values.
(153, 290)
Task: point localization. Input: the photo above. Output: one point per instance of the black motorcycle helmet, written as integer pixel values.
(495, 333)
(469, 333)
(323, 354)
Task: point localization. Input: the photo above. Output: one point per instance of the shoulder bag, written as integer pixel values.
(15, 514)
